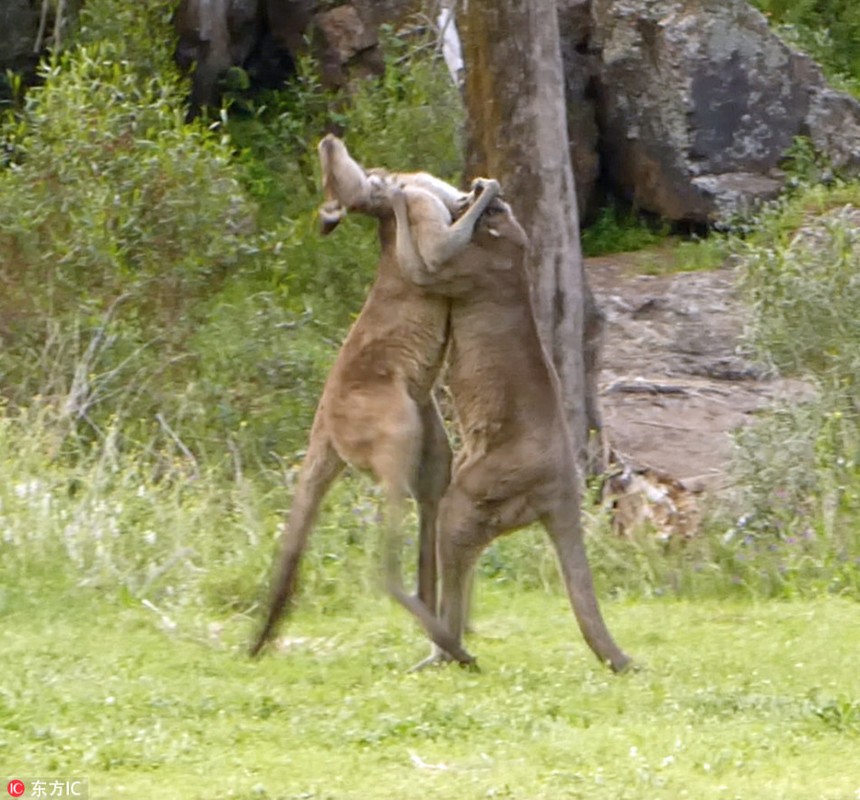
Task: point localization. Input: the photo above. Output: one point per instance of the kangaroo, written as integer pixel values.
(377, 411)
(516, 465)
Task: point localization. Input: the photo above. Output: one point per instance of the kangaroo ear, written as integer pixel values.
(330, 214)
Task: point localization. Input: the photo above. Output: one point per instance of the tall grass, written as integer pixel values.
(798, 470)
(153, 526)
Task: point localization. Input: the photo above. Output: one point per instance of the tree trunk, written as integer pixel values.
(515, 100)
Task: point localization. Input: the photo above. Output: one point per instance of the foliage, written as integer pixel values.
(619, 231)
(805, 295)
(799, 491)
(827, 29)
(101, 194)
(797, 470)
(676, 254)
(104, 250)
(162, 275)
(139, 34)
(654, 248)
(410, 118)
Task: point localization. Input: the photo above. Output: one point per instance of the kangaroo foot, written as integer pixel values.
(438, 657)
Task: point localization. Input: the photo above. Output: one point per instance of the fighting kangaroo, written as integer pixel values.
(516, 465)
(377, 412)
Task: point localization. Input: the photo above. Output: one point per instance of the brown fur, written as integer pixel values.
(377, 411)
(516, 465)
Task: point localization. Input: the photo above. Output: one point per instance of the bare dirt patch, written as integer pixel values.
(676, 381)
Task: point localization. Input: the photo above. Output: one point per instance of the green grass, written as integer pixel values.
(649, 247)
(617, 230)
(674, 254)
(738, 700)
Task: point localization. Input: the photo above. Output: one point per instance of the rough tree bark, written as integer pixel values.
(514, 91)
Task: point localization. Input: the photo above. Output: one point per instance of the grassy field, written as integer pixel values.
(734, 700)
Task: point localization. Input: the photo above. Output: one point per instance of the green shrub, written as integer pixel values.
(139, 34)
(805, 293)
(115, 221)
(798, 468)
(167, 280)
(827, 29)
(102, 194)
(618, 231)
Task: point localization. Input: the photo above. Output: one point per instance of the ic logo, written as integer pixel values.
(16, 788)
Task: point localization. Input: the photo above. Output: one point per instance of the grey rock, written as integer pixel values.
(581, 70)
(265, 38)
(345, 31)
(19, 22)
(699, 101)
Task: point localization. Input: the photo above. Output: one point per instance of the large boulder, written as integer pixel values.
(346, 35)
(265, 37)
(581, 72)
(347, 41)
(19, 24)
(25, 36)
(699, 101)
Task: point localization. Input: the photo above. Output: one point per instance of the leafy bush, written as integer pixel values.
(805, 294)
(101, 195)
(618, 231)
(798, 469)
(115, 219)
(827, 29)
(139, 34)
(170, 276)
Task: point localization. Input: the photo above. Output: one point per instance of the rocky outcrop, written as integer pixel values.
(581, 73)
(346, 35)
(265, 37)
(684, 108)
(19, 22)
(347, 40)
(698, 102)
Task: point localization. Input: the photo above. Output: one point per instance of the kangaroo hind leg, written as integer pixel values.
(565, 530)
(321, 466)
(394, 462)
(431, 479)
